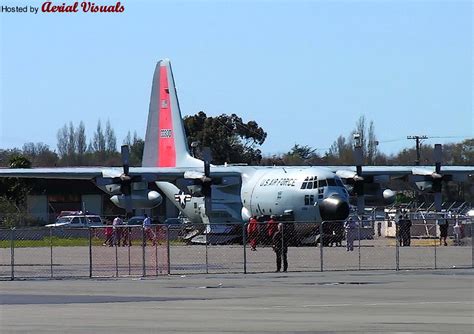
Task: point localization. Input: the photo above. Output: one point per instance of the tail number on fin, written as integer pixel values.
(166, 133)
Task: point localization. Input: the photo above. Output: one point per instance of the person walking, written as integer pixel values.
(406, 233)
(272, 227)
(280, 247)
(399, 229)
(147, 230)
(117, 226)
(126, 235)
(350, 230)
(457, 233)
(252, 232)
(109, 234)
(443, 230)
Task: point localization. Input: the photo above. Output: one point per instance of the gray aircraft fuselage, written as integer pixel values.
(264, 191)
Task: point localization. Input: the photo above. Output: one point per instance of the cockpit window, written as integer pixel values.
(310, 182)
(322, 183)
(331, 182)
(339, 182)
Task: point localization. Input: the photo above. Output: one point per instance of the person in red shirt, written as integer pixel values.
(272, 227)
(109, 233)
(252, 232)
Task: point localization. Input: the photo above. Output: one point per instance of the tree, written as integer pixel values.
(230, 139)
(39, 154)
(15, 190)
(110, 139)
(300, 156)
(372, 144)
(341, 151)
(62, 137)
(81, 142)
(20, 161)
(98, 142)
(136, 148)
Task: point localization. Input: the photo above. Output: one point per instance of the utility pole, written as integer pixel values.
(418, 140)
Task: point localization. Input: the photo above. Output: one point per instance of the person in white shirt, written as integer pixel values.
(117, 230)
(350, 228)
(457, 233)
(149, 234)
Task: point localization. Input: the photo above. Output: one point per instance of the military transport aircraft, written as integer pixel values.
(230, 193)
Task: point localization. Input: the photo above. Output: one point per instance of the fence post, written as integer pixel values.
(321, 255)
(157, 239)
(51, 250)
(435, 253)
(143, 252)
(244, 243)
(129, 241)
(472, 244)
(90, 252)
(207, 256)
(117, 245)
(397, 249)
(168, 249)
(358, 232)
(12, 252)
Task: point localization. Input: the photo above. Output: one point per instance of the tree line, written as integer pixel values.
(74, 150)
(231, 140)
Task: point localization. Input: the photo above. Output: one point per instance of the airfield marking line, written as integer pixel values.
(388, 304)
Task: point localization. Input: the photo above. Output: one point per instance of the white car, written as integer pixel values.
(77, 221)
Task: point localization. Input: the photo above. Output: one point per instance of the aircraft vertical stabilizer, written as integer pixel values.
(165, 139)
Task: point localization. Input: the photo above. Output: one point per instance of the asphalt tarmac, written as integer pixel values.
(420, 301)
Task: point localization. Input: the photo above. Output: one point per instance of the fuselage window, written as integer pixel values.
(308, 199)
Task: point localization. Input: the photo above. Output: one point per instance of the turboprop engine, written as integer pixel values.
(144, 199)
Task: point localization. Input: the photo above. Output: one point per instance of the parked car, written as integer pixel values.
(136, 220)
(77, 219)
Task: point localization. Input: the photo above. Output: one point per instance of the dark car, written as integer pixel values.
(136, 220)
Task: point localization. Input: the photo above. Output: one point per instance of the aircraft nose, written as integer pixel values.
(334, 208)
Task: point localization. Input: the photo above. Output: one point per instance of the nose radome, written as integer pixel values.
(334, 208)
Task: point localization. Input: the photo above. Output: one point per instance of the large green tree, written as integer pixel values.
(230, 139)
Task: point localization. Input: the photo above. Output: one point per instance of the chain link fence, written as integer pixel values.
(132, 251)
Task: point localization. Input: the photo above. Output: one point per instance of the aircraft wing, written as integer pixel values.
(102, 174)
(458, 173)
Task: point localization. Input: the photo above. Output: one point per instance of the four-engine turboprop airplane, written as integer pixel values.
(231, 193)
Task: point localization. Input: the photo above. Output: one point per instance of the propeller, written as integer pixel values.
(433, 179)
(359, 180)
(437, 177)
(204, 180)
(125, 180)
(207, 181)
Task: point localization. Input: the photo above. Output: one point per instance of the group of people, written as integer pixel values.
(116, 234)
(277, 237)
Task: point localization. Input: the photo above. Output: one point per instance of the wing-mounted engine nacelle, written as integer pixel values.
(389, 196)
(378, 198)
(143, 199)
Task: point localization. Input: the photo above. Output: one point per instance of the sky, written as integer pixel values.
(305, 71)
